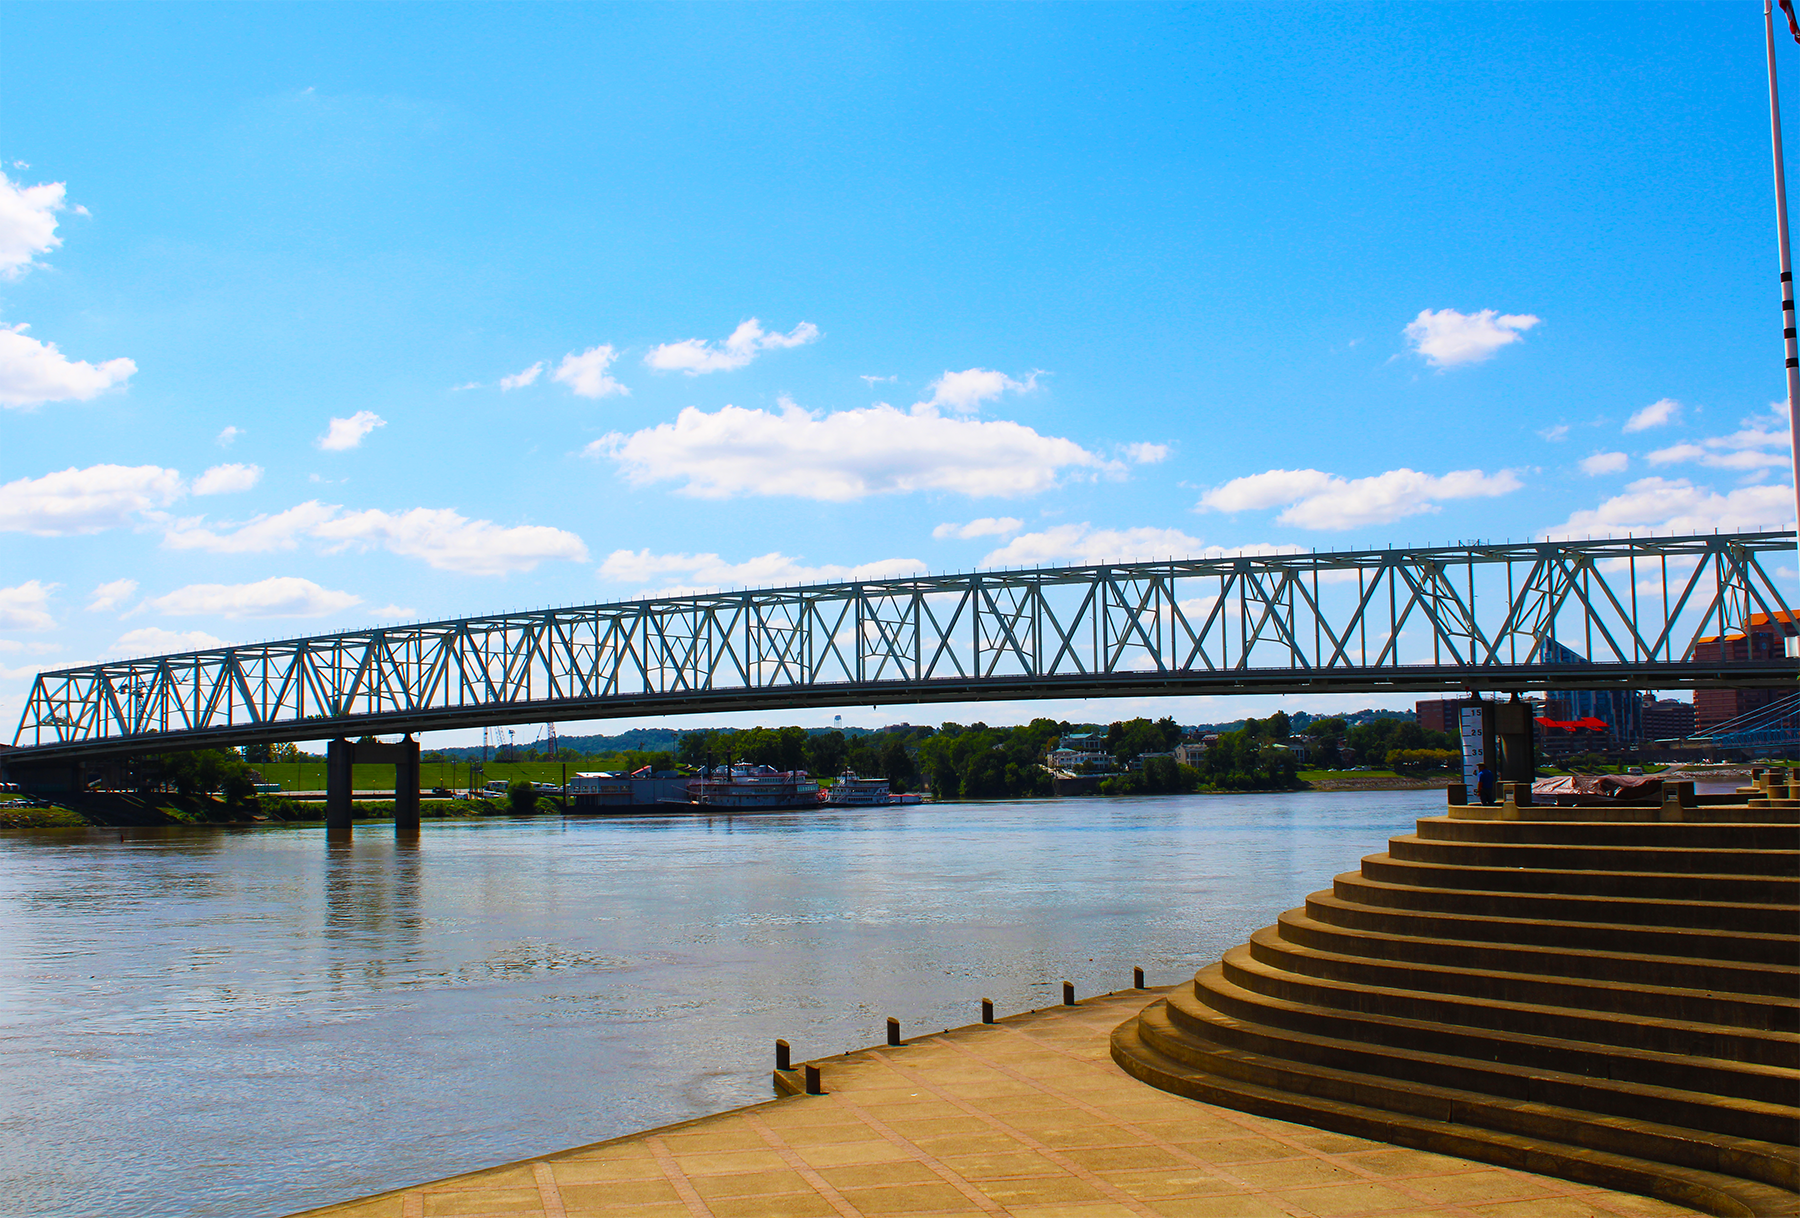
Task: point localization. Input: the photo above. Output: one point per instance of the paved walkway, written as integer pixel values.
(1028, 1118)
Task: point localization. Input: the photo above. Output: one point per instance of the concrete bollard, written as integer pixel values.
(782, 1061)
(1068, 994)
(1456, 794)
(987, 1010)
(893, 1030)
(1137, 978)
(813, 1085)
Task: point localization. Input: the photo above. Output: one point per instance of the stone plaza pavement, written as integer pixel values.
(1028, 1117)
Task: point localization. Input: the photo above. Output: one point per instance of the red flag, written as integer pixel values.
(1787, 6)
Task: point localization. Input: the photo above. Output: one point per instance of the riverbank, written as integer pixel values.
(1028, 1116)
(1395, 783)
(117, 810)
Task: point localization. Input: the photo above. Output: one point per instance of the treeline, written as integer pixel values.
(1397, 743)
(889, 754)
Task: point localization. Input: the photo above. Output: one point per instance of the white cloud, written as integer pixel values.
(1656, 414)
(585, 374)
(987, 526)
(449, 541)
(257, 535)
(1083, 543)
(278, 596)
(1662, 505)
(27, 224)
(27, 606)
(227, 479)
(695, 356)
(111, 595)
(155, 641)
(32, 373)
(224, 438)
(1317, 500)
(348, 433)
(709, 572)
(36, 649)
(1145, 454)
(87, 500)
(1447, 338)
(442, 537)
(1739, 450)
(965, 391)
(1765, 431)
(519, 380)
(1742, 459)
(1606, 463)
(878, 380)
(844, 455)
(394, 613)
(1553, 434)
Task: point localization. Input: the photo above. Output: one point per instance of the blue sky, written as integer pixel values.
(318, 316)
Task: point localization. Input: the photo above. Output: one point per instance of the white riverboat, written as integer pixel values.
(849, 791)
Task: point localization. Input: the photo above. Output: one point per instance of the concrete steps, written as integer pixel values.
(1615, 1001)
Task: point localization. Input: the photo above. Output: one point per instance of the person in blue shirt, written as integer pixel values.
(1484, 783)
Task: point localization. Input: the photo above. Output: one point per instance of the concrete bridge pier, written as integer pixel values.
(340, 785)
(406, 787)
(341, 757)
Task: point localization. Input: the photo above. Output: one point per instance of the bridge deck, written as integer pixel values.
(1620, 614)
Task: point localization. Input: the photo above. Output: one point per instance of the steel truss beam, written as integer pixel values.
(1614, 614)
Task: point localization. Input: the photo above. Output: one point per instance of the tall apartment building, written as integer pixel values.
(1437, 715)
(1759, 639)
(1667, 719)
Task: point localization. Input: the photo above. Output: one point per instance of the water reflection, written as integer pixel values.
(253, 1022)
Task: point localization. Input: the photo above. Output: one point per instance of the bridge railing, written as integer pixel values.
(1617, 613)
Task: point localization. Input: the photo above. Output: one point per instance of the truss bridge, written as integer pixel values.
(1631, 613)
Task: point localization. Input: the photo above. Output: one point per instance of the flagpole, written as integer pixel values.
(1787, 266)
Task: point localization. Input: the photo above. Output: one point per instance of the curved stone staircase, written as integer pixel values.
(1612, 1001)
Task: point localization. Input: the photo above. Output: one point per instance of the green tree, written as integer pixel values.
(1277, 726)
(1135, 737)
(825, 754)
(897, 765)
(1422, 759)
(694, 748)
(522, 796)
(197, 772)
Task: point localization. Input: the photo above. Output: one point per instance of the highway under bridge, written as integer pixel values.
(1628, 613)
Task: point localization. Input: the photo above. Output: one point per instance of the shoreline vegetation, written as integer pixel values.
(952, 762)
(103, 810)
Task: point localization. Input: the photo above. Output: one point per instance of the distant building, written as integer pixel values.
(1136, 764)
(1620, 709)
(1189, 752)
(1079, 750)
(1437, 715)
(1667, 719)
(1759, 639)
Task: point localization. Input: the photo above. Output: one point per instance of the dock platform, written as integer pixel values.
(1028, 1117)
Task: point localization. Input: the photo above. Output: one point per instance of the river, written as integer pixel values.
(250, 1022)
